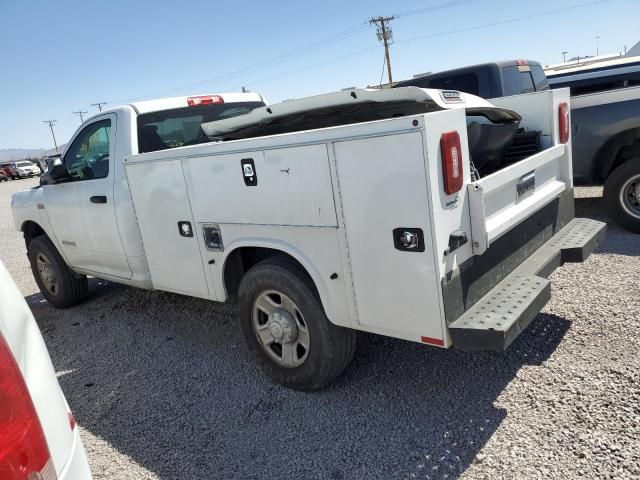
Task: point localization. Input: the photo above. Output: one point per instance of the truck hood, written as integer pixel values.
(433, 99)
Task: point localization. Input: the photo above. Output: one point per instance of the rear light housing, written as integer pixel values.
(204, 100)
(563, 122)
(24, 453)
(452, 171)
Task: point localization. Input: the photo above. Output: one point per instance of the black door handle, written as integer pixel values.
(98, 199)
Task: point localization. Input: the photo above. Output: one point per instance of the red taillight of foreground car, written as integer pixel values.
(204, 100)
(451, 162)
(563, 122)
(24, 454)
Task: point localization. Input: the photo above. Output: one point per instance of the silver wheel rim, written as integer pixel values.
(630, 196)
(280, 329)
(47, 274)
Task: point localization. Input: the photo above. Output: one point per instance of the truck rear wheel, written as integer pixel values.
(622, 195)
(285, 327)
(59, 285)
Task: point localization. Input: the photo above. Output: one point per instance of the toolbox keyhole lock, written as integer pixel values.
(408, 239)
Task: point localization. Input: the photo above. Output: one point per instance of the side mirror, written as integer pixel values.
(56, 172)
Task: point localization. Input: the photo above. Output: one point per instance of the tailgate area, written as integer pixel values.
(504, 312)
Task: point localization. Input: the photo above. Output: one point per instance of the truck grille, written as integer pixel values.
(524, 145)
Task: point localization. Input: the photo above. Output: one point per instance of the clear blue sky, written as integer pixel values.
(60, 56)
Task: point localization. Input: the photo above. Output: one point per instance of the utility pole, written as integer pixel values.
(51, 123)
(80, 112)
(564, 56)
(385, 35)
(98, 105)
(597, 46)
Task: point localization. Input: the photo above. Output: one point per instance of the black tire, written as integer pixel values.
(622, 203)
(71, 288)
(331, 348)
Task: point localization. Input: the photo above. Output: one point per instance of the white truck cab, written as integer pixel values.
(395, 212)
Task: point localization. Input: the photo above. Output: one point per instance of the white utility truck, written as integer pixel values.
(387, 211)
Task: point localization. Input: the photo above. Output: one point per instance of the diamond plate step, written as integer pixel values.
(501, 315)
(495, 321)
(578, 239)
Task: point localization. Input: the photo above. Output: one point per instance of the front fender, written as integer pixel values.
(29, 206)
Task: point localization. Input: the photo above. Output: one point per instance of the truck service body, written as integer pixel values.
(356, 210)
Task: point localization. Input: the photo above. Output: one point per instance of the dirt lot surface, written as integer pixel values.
(162, 386)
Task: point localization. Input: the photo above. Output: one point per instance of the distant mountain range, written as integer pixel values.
(8, 154)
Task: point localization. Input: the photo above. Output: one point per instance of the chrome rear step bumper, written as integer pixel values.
(495, 321)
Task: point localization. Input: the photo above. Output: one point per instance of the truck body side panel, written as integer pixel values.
(382, 187)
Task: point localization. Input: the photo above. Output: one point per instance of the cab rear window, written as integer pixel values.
(181, 126)
(517, 80)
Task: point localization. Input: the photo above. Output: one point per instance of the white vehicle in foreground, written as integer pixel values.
(38, 434)
(388, 211)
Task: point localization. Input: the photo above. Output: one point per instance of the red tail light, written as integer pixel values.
(563, 122)
(204, 100)
(24, 453)
(451, 162)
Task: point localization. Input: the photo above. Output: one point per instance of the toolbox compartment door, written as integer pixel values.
(162, 206)
(500, 201)
(382, 192)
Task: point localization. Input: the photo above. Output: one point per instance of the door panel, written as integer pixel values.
(383, 188)
(86, 231)
(160, 197)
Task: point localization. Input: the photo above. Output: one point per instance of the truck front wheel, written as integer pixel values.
(285, 327)
(61, 287)
(622, 195)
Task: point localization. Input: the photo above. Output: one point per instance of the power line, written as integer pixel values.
(476, 27)
(80, 112)
(384, 62)
(502, 22)
(51, 123)
(98, 105)
(296, 53)
(418, 11)
(385, 35)
(279, 59)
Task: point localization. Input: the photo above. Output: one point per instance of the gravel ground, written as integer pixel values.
(162, 387)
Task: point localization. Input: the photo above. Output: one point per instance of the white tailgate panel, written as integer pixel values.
(294, 188)
(382, 184)
(161, 201)
(494, 203)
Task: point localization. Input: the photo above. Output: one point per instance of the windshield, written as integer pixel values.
(24, 164)
(181, 126)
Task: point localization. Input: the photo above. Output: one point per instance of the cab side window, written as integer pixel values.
(88, 156)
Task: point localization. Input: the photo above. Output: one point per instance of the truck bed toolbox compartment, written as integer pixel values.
(495, 321)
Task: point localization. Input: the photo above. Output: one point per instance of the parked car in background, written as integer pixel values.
(38, 434)
(23, 169)
(5, 168)
(605, 113)
(487, 80)
(493, 80)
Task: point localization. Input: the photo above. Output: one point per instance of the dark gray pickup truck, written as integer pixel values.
(605, 117)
